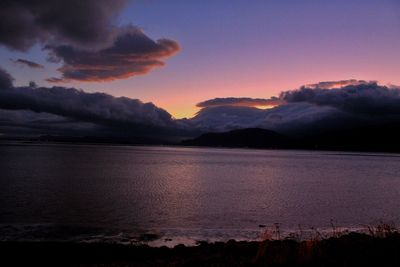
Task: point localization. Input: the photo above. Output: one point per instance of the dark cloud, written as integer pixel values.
(310, 109)
(6, 80)
(364, 98)
(304, 111)
(240, 101)
(83, 37)
(30, 123)
(93, 107)
(88, 23)
(28, 63)
(132, 53)
(115, 115)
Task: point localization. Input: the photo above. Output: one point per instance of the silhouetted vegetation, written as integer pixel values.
(379, 248)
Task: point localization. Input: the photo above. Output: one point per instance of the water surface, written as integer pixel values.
(125, 193)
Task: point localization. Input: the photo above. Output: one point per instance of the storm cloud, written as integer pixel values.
(28, 123)
(365, 98)
(121, 115)
(310, 108)
(240, 101)
(88, 23)
(83, 37)
(28, 63)
(60, 110)
(95, 107)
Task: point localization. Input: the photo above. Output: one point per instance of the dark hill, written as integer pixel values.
(379, 138)
(383, 138)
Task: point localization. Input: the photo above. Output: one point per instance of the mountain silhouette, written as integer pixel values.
(378, 138)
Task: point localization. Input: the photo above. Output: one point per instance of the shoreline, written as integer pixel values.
(17, 142)
(379, 248)
(169, 237)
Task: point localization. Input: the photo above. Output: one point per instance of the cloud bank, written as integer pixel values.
(364, 98)
(68, 111)
(309, 109)
(83, 37)
(116, 116)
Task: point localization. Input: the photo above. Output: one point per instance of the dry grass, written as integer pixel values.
(380, 246)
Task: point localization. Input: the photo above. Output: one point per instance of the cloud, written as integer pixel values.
(83, 37)
(364, 98)
(240, 101)
(335, 84)
(304, 111)
(117, 115)
(88, 23)
(6, 80)
(132, 53)
(28, 63)
(93, 107)
(311, 109)
(287, 118)
(29, 123)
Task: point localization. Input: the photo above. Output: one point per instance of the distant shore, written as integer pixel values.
(353, 249)
(244, 140)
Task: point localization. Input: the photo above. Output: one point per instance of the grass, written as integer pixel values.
(380, 246)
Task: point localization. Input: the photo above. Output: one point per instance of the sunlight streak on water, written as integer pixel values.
(185, 192)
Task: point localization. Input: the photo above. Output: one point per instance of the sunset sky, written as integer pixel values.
(241, 49)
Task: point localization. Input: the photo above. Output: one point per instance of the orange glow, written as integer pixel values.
(180, 112)
(184, 113)
(265, 107)
(179, 96)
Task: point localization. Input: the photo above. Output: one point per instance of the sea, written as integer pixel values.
(159, 195)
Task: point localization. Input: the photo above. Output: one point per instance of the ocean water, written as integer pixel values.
(170, 195)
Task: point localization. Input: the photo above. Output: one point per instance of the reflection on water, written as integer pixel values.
(197, 192)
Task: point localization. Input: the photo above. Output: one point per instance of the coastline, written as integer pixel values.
(113, 143)
(380, 248)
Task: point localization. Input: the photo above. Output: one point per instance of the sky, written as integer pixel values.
(243, 49)
(176, 69)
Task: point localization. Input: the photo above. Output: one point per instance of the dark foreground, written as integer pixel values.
(348, 250)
